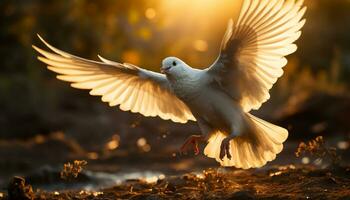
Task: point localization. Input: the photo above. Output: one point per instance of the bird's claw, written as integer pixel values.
(192, 140)
(225, 148)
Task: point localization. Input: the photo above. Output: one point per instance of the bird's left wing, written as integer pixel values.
(253, 49)
(133, 88)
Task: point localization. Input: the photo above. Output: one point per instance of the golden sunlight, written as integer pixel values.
(202, 21)
(203, 12)
(199, 7)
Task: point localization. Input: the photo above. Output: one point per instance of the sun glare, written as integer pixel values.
(198, 5)
(202, 11)
(193, 25)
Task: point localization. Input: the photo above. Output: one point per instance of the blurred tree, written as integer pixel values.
(139, 31)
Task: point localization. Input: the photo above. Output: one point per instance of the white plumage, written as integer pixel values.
(220, 97)
(132, 88)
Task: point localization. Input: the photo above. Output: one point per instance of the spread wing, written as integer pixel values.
(253, 49)
(133, 88)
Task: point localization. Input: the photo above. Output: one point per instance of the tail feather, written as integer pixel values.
(253, 149)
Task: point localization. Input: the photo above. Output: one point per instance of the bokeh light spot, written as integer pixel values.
(92, 155)
(150, 13)
(146, 148)
(141, 142)
(343, 145)
(305, 160)
(131, 56)
(200, 45)
(113, 144)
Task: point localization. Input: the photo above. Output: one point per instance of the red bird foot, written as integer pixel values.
(191, 141)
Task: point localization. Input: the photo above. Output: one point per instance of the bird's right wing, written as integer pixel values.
(133, 88)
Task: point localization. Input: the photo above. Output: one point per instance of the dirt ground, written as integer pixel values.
(278, 182)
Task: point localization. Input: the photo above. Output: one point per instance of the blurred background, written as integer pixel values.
(44, 122)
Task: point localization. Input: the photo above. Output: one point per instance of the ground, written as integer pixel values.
(277, 182)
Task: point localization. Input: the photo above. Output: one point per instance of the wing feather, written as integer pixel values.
(132, 88)
(253, 50)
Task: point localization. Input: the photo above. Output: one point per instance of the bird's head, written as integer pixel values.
(173, 66)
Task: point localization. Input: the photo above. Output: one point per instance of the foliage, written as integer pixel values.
(319, 149)
(72, 170)
(19, 189)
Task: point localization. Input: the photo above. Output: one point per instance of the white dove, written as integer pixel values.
(219, 97)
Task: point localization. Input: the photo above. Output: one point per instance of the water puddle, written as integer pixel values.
(94, 181)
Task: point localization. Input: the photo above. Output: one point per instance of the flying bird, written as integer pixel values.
(219, 98)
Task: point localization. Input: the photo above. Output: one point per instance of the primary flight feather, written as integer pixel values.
(219, 98)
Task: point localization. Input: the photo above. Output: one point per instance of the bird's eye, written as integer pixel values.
(174, 63)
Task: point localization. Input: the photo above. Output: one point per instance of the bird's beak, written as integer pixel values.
(164, 69)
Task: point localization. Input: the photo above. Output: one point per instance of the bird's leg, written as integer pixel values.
(192, 140)
(225, 148)
(225, 145)
(235, 130)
